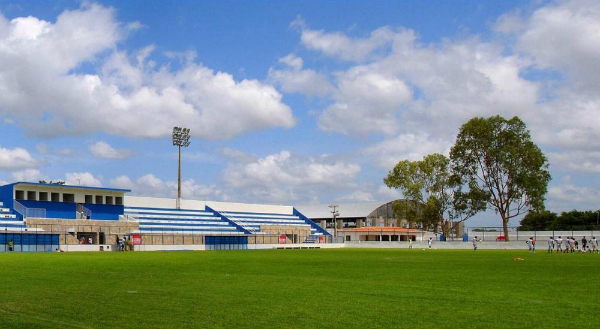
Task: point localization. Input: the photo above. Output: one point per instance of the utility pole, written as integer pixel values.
(334, 214)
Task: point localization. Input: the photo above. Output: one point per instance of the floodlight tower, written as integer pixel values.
(181, 137)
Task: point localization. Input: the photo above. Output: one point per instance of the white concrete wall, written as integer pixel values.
(247, 207)
(538, 235)
(169, 247)
(150, 202)
(87, 247)
(138, 201)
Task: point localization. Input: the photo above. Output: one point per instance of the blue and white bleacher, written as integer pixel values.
(11, 222)
(253, 221)
(183, 221)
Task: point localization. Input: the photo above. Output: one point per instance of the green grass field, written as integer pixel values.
(343, 288)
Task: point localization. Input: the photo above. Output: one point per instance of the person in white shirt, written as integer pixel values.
(475, 240)
(559, 242)
(594, 244)
(550, 244)
(529, 245)
(430, 242)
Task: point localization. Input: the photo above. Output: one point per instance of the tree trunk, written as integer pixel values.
(505, 227)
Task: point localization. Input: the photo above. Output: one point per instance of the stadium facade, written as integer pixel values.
(48, 217)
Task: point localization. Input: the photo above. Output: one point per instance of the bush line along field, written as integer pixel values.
(342, 288)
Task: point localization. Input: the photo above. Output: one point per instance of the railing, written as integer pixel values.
(240, 223)
(87, 213)
(131, 216)
(20, 208)
(29, 212)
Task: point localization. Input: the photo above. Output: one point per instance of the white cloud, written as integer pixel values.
(357, 196)
(150, 185)
(293, 79)
(565, 35)
(337, 44)
(17, 158)
(566, 196)
(386, 154)
(102, 149)
(389, 194)
(83, 179)
(576, 161)
(410, 86)
(43, 90)
(284, 177)
(366, 96)
(28, 175)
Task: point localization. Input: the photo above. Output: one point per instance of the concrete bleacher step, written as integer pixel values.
(4, 209)
(8, 216)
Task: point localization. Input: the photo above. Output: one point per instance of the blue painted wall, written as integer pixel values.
(6, 195)
(105, 211)
(61, 210)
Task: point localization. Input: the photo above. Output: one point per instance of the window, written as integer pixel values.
(348, 238)
(68, 197)
(43, 196)
(20, 195)
(119, 200)
(31, 195)
(109, 199)
(89, 199)
(55, 197)
(99, 199)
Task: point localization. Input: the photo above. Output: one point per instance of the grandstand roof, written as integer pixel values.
(346, 210)
(70, 186)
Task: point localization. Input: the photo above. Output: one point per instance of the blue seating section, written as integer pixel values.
(181, 221)
(253, 221)
(10, 221)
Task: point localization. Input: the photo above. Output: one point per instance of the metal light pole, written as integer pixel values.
(181, 137)
(334, 214)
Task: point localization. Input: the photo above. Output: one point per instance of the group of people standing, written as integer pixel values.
(124, 243)
(572, 245)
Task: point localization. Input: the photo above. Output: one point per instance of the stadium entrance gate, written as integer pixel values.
(226, 242)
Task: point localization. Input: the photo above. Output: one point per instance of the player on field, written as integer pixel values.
(475, 240)
(529, 245)
(594, 244)
(551, 245)
(430, 242)
(559, 242)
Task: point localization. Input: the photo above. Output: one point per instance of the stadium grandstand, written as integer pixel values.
(48, 217)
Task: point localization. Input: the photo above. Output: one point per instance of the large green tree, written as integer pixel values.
(500, 164)
(431, 191)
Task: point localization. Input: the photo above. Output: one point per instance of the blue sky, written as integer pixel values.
(290, 102)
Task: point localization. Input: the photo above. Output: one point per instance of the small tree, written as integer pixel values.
(431, 191)
(500, 164)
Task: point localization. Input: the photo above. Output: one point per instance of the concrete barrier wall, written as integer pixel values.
(513, 245)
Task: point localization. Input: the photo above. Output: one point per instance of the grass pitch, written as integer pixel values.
(343, 288)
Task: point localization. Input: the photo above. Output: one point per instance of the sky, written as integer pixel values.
(291, 102)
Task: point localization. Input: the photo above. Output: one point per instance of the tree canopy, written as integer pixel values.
(431, 192)
(574, 220)
(498, 162)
